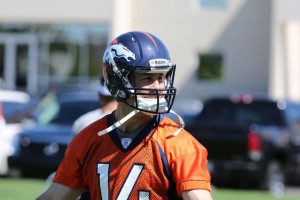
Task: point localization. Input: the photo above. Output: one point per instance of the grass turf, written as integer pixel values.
(231, 194)
(21, 189)
(28, 189)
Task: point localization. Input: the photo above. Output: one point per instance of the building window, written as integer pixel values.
(213, 3)
(36, 56)
(210, 67)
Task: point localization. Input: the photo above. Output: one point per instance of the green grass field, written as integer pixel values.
(20, 189)
(226, 194)
(29, 189)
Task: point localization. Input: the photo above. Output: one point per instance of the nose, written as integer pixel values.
(156, 84)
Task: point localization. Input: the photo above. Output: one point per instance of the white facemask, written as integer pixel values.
(151, 104)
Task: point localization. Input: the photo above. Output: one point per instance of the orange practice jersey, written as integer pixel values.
(156, 165)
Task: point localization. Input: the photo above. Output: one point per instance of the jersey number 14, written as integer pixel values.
(132, 177)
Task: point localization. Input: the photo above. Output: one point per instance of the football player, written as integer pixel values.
(136, 152)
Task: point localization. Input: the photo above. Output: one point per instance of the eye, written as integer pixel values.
(161, 79)
(147, 78)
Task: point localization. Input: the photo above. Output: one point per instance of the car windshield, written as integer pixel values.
(225, 111)
(70, 111)
(16, 112)
(16, 105)
(12, 108)
(64, 111)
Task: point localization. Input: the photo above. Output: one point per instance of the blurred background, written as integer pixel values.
(51, 48)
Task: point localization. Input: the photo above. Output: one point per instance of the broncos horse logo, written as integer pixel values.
(119, 51)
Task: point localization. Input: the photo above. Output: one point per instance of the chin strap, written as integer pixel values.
(181, 123)
(131, 114)
(118, 123)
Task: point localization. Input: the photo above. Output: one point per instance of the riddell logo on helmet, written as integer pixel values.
(159, 62)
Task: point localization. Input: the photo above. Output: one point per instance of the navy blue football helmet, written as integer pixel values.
(135, 52)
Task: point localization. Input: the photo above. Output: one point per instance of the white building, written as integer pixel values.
(255, 43)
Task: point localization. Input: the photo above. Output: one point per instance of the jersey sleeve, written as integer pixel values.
(190, 170)
(69, 170)
(187, 160)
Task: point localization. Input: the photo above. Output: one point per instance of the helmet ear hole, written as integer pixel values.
(122, 95)
(119, 94)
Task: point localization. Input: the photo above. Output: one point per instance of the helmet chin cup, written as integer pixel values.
(150, 105)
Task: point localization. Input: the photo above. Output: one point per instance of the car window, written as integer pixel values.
(16, 112)
(65, 110)
(70, 111)
(16, 105)
(10, 109)
(47, 109)
(293, 112)
(225, 111)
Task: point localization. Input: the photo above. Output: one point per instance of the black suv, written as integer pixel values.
(250, 140)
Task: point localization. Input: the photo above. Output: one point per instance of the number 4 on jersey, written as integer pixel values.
(134, 173)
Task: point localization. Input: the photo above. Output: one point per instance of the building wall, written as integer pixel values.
(55, 11)
(240, 32)
(251, 35)
(284, 55)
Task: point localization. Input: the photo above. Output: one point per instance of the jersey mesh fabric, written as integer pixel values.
(88, 153)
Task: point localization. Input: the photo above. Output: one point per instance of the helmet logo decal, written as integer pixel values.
(119, 51)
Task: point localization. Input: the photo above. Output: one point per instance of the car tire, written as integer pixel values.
(274, 180)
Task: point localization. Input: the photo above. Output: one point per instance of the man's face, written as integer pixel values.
(149, 81)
